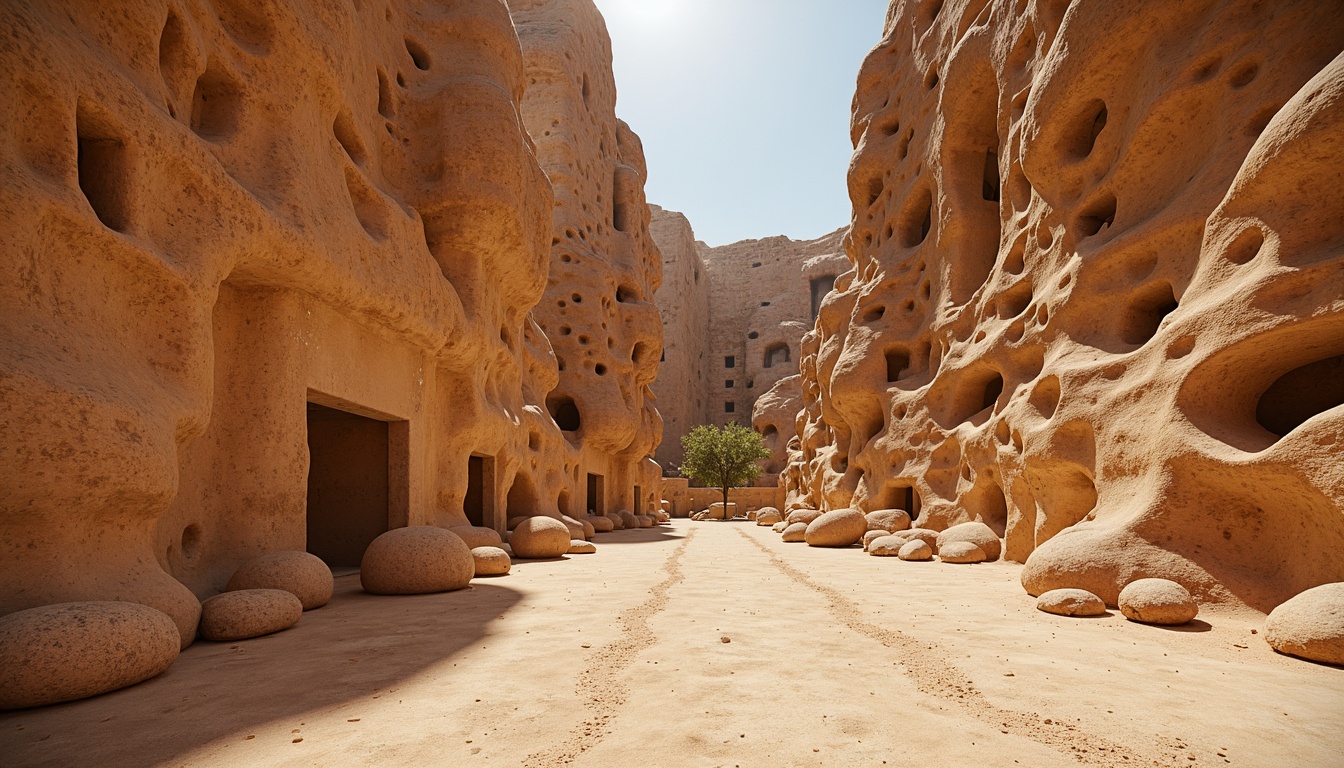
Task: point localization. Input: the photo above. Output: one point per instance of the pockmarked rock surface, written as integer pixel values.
(302, 574)
(1071, 602)
(539, 538)
(70, 651)
(248, 613)
(837, 528)
(1093, 296)
(1157, 601)
(417, 560)
(1310, 625)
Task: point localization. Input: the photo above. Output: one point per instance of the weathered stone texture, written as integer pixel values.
(1095, 297)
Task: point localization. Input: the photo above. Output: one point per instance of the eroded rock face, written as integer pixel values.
(195, 250)
(1094, 295)
(598, 310)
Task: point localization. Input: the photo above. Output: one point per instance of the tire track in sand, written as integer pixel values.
(928, 667)
(599, 685)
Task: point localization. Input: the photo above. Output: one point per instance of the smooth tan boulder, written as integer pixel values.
(717, 511)
(249, 613)
(629, 520)
(575, 528)
(796, 532)
(976, 533)
(301, 574)
(617, 523)
(416, 560)
(516, 520)
(915, 551)
(70, 651)
(1071, 602)
(837, 528)
(803, 516)
(780, 526)
(601, 523)
(645, 521)
(1310, 625)
(477, 536)
(885, 546)
(889, 520)
(1157, 601)
(870, 536)
(580, 547)
(925, 535)
(540, 538)
(751, 515)
(589, 530)
(961, 552)
(768, 516)
(491, 561)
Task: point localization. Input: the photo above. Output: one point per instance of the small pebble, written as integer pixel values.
(725, 639)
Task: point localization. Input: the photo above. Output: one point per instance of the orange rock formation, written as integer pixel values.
(1096, 292)
(270, 279)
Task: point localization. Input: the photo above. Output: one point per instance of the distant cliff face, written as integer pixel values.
(1096, 295)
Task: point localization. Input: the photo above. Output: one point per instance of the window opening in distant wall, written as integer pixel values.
(728, 384)
(730, 362)
(479, 501)
(639, 500)
(597, 502)
(729, 407)
(776, 353)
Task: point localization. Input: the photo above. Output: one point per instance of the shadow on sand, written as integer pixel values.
(355, 647)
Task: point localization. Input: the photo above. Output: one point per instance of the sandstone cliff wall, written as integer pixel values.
(252, 245)
(1096, 295)
(683, 386)
(598, 306)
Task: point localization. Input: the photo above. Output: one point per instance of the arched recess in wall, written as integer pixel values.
(522, 498)
(971, 181)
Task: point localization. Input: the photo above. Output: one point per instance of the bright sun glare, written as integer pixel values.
(648, 13)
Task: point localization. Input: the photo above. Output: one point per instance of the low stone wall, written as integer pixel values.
(684, 500)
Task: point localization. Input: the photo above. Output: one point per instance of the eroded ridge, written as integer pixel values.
(599, 685)
(927, 665)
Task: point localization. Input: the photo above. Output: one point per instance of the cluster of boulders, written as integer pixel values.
(71, 651)
(1309, 626)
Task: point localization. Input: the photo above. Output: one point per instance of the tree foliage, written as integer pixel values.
(723, 458)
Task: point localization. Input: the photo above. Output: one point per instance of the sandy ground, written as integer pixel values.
(831, 658)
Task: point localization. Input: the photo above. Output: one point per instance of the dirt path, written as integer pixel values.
(711, 644)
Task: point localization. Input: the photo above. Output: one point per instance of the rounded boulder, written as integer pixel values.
(961, 552)
(416, 560)
(491, 561)
(926, 535)
(476, 536)
(837, 528)
(69, 651)
(249, 613)
(979, 534)
(780, 526)
(1071, 602)
(803, 516)
(540, 538)
(885, 546)
(580, 547)
(575, 528)
(889, 520)
(629, 520)
(1310, 625)
(1157, 601)
(795, 532)
(645, 521)
(870, 536)
(617, 523)
(915, 551)
(768, 516)
(299, 573)
(601, 524)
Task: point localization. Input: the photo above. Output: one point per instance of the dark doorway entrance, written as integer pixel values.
(639, 500)
(596, 496)
(474, 503)
(347, 484)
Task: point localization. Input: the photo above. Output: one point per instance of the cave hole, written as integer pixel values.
(1090, 125)
(565, 412)
(103, 171)
(917, 219)
(776, 353)
(874, 314)
(216, 105)
(1300, 394)
(418, 54)
(387, 105)
(990, 189)
(993, 388)
(1145, 314)
(1094, 217)
(348, 137)
(898, 361)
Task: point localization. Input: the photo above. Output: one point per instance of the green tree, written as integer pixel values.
(723, 458)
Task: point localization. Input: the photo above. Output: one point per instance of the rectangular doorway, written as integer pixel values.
(348, 484)
(596, 495)
(639, 500)
(479, 503)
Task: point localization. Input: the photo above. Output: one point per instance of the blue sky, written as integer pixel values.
(743, 107)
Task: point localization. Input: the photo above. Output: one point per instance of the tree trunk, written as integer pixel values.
(726, 516)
